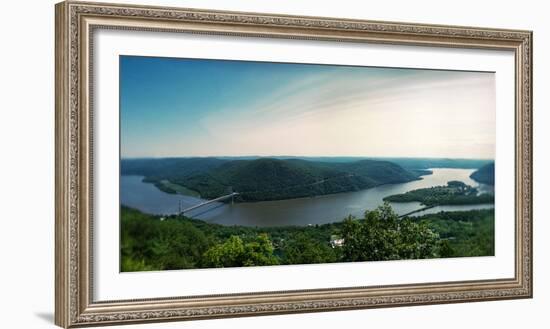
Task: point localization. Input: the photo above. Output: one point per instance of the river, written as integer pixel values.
(304, 211)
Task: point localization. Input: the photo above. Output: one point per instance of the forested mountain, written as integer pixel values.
(267, 178)
(407, 163)
(426, 163)
(164, 167)
(485, 174)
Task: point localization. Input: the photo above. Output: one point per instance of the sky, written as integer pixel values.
(172, 107)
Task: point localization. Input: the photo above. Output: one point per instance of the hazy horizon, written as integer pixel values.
(300, 156)
(174, 108)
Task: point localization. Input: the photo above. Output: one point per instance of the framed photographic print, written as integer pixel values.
(218, 164)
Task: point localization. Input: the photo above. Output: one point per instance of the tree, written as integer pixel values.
(227, 254)
(416, 240)
(383, 236)
(445, 249)
(148, 243)
(131, 265)
(178, 245)
(234, 252)
(259, 252)
(302, 249)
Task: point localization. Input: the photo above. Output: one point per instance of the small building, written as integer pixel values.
(336, 241)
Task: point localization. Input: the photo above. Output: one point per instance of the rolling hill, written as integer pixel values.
(485, 174)
(267, 178)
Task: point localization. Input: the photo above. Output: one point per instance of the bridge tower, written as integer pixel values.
(230, 191)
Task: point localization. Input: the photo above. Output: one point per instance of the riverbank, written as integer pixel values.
(301, 212)
(453, 193)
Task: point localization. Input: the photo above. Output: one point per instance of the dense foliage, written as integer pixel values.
(382, 236)
(464, 233)
(265, 178)
(234, 252)
(454, 193)
(160, 243)
(155, 168)
(485, 174)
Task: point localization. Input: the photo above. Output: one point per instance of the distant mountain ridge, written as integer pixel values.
(405, 162)
(267, 178)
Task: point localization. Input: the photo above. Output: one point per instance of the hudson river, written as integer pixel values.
(304, 211)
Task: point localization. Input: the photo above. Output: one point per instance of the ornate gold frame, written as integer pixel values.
(75, 23)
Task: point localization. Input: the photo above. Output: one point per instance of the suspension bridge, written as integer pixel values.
(202, 204)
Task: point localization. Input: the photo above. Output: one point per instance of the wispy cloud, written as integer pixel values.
(348, 111)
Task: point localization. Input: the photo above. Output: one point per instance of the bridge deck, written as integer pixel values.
(221, 198)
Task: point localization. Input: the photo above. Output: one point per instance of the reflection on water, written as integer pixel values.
(304, 211)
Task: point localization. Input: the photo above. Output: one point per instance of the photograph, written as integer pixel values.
(233, 163)
(220, 163)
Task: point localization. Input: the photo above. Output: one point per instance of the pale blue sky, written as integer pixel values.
(186, 107)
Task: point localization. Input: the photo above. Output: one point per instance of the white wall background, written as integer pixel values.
(27, 162)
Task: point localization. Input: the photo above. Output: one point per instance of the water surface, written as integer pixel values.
(304, 211)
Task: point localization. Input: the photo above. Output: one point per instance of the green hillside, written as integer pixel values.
(157, 168)
(485, 174)
(149, 242)
(382, 172)
(269, 179)
(453, 193)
